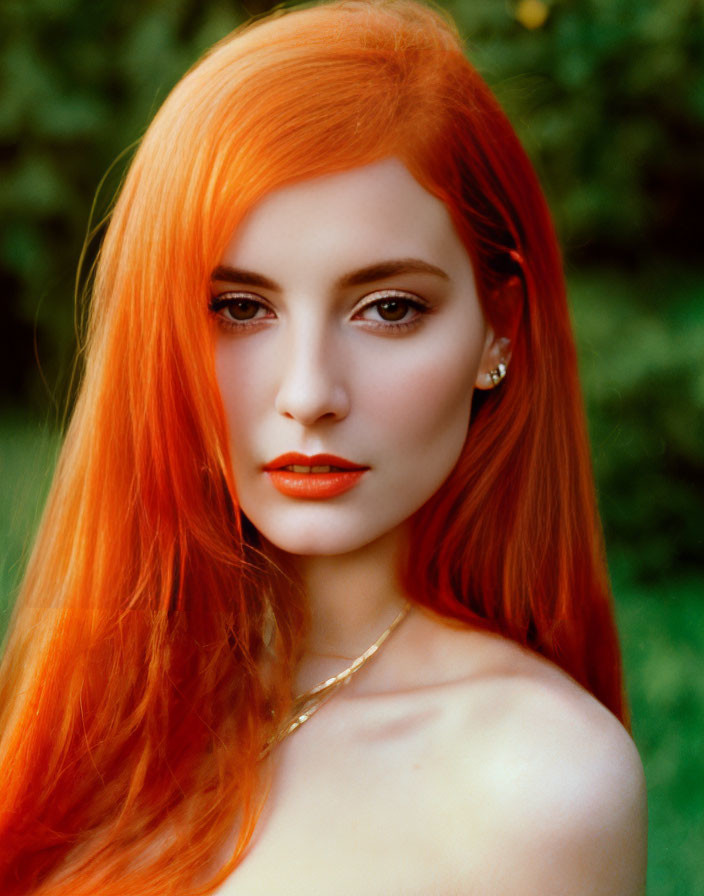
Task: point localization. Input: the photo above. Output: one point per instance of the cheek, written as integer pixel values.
(426, 400)
(420, 428)
(242, 390)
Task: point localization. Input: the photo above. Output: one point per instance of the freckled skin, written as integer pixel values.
(314, 374)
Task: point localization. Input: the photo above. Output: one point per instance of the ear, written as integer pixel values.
(494, 363)
(496, 354)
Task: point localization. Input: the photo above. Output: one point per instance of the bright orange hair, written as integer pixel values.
(132, 709)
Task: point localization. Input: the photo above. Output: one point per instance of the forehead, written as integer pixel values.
(346, 218)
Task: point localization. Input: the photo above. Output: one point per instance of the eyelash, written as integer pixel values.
(221, 302)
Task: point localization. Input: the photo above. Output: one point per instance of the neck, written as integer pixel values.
(352, 598)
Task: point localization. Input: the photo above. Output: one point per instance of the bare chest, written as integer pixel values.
(360, 805)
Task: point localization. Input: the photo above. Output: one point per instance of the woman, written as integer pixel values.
(329, 444)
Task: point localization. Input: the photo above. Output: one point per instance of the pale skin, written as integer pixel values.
(455, 762)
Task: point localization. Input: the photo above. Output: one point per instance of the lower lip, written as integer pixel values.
(314, 485)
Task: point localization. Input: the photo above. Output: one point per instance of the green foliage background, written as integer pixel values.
(608, 97)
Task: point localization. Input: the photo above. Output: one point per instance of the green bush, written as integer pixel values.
(81, 82)
(641, 344)
(608, 96)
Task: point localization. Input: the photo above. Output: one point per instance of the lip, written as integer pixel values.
(311, 485)
(293, 458)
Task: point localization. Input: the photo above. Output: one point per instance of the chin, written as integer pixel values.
(319, 538)
(322, 544)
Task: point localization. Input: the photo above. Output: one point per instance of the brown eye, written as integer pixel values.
(393, 312)
(238, 310)
(392, 309)
(242, 309)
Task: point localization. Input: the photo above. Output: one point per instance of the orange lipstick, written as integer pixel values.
(320, 476)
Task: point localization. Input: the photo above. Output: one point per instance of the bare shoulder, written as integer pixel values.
(558, 777)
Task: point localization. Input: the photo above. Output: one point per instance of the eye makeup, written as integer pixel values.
(244, 311)
(225, 306)
(392, 303)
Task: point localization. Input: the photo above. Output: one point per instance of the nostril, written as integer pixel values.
(312, 404)
(312, 387)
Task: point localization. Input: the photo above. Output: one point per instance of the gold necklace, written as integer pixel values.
(309, 702)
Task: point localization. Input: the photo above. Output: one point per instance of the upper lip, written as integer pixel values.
(292, 458)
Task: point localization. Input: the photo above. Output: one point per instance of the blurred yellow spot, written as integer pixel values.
(532, 13)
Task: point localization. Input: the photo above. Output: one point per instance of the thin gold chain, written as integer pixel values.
(309, 702)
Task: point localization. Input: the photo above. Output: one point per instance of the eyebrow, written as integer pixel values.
(380, 271)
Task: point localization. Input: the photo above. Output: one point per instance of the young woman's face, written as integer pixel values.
(347, 324)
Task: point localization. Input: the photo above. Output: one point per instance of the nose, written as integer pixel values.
(312, 386)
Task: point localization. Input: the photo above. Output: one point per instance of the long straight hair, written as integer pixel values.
(133, 708)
